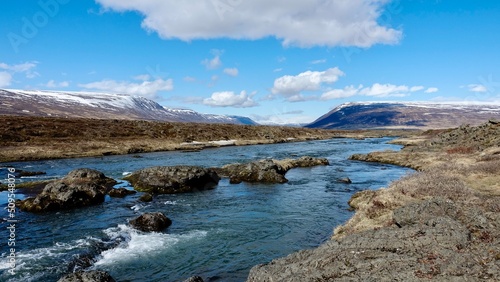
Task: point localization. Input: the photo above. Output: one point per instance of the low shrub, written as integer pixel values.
(436, 183)
(461, 150)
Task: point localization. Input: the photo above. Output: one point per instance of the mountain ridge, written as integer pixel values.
(101, 106)
(402, 115)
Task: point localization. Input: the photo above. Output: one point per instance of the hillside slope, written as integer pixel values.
(100, 106)
(405, 115)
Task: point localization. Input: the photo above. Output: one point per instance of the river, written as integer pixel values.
(217, 234)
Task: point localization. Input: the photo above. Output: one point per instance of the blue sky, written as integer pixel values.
(283, 61)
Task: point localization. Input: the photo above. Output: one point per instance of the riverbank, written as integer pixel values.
(35, 138)
(442, 222)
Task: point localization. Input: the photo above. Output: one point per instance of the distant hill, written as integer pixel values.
(384, 115)
(101, 106)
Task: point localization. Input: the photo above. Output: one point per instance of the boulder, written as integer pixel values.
(80, 188)
(146, 197)
(266, 171)
(194, 279)
(148, 222)
(345, 180)
(173, 179)
(30, 173)
(304, 161)
(87, 276)
(120, 192)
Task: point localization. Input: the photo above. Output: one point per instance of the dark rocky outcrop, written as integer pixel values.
(146, 197)
(80, 188)
(148, 222)
(173, 179)
(433, 239)
(120, 192)
(266, 171)
(345, 180)
(24, 173)
(87, 276)
(194, 279)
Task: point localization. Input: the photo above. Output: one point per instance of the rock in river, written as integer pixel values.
(155, 221)
(120, 192)
(173, 179)
(80, 188)
(267, 171)
(146, 197)
(87, 276)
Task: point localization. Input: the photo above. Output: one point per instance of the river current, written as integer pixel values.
(217, 234)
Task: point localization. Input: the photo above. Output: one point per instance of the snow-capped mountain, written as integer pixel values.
(423, 115)
(100, 106)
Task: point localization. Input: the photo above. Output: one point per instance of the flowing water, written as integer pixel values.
(217, 234)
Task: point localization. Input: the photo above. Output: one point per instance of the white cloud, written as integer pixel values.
(26, 68)
(283, 119)
(281, 59)
(432, 90)
(189, 79)
(479, 88)
(299, 23)
(346, 92)
(148, 89)
(5, 79)
(230, 99)
(142, 77)
(385, 90)
(292, 86)
(52, 84)
(416, 88)
(231, 71)
(376, 90)
(212, 64)
(277, 70)
(315, 62)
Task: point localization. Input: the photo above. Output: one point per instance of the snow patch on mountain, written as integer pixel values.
(100, 105)
(365, 115)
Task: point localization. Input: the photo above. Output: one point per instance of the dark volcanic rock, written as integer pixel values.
(120, 192)
(267, 171)
(194, 279)
(173, 179)
(90, 276)
(146, 197)
(30, 173)
(437, 239)
(80, 188)
(345, 180)
(151, 222)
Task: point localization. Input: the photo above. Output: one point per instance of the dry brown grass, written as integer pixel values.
(476, 182)
(439, 182)
(34, 138)
(461, 150)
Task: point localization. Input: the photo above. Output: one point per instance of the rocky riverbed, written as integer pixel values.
(441, 223)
